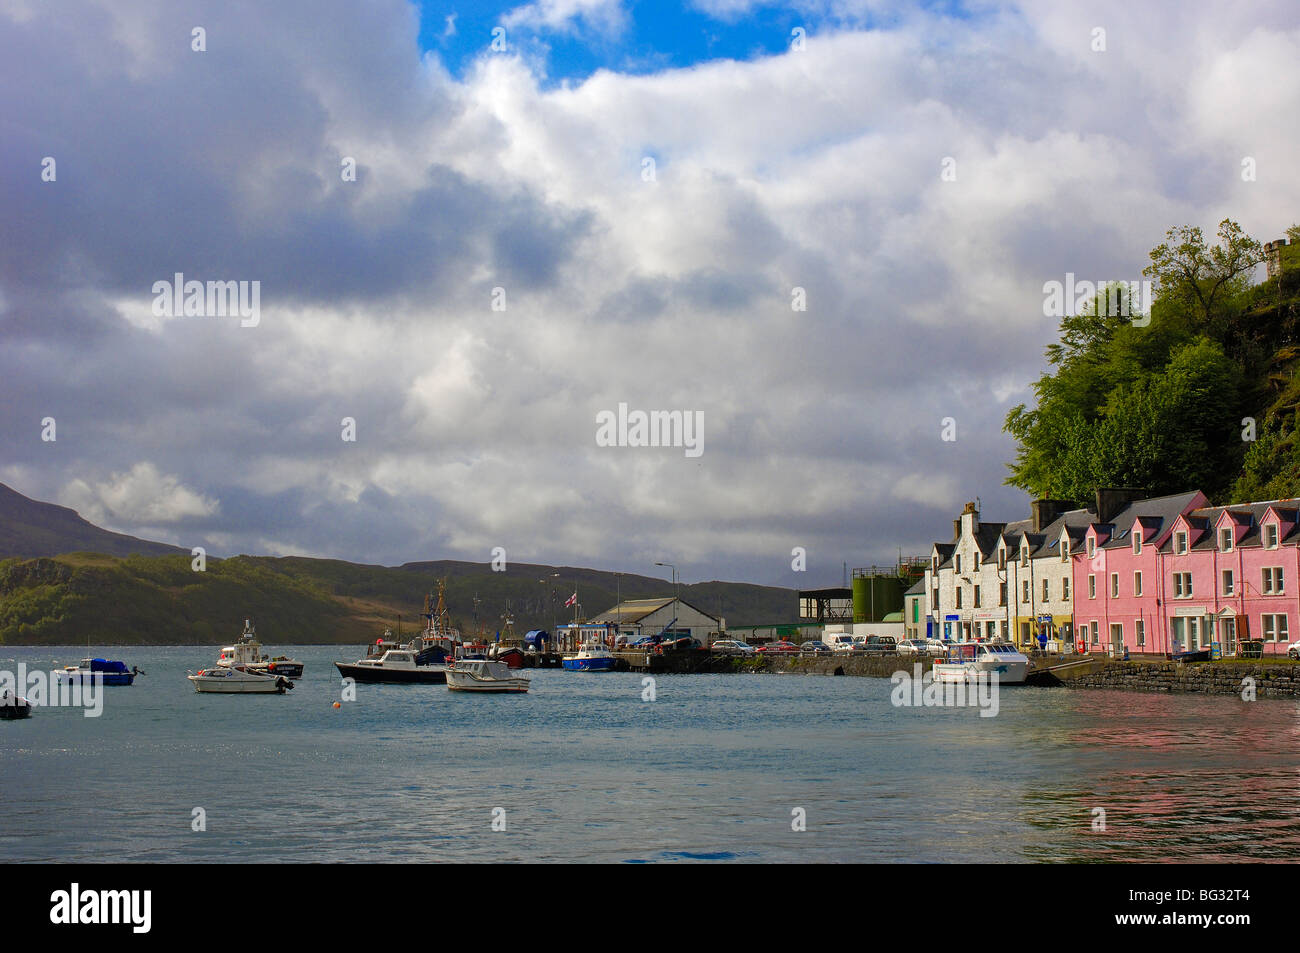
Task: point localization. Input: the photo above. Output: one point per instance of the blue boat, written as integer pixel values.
(109, 672)
(591, 657)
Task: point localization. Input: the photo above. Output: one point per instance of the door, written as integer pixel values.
(1228, 636)
(1177, 633)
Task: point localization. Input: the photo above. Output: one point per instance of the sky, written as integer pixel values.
(625, 203)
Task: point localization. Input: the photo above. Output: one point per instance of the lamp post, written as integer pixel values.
(676, 601)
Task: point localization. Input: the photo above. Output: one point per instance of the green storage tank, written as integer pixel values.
(875, 597)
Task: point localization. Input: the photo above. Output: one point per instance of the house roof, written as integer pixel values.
(634, 610)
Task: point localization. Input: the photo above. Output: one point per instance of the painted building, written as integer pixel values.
(1206, 577)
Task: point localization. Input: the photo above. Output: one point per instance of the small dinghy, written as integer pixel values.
(14, 706)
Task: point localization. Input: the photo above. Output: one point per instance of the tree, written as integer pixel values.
(1185, 270)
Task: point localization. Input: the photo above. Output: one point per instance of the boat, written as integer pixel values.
(13, 707)
(106, 671)
(398, 664)
(969, 661)
(248, 652)
(238, 680)
(512, 655)
(484, 675)
(591, 657)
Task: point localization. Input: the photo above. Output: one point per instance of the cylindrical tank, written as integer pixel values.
(874, 597)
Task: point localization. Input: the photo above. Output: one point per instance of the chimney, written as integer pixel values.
(1110, 500)
(1043, 512)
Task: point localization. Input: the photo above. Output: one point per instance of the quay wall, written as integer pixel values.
(1270, 681)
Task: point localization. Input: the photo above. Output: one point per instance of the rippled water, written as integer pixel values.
(586, 770)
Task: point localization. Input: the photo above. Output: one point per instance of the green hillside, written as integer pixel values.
(159, 600)
(1203, 393)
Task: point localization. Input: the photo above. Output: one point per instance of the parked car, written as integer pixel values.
(881, 645)
(778, 647)
(913, 647)
(936, 647)
(732, 647)
(815, 647)
(685, 642)
(840, 643)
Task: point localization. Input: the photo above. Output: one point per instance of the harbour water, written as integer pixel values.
(716, 768)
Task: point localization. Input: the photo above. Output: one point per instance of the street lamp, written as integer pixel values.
(675, 589)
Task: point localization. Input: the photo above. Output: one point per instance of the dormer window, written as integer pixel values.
(1137, 542)
(1065, 549)
(1180, 544)
(1092, 547)
(1270, 536)
(976, 567)
(1024, 556)
(1225, 539)
(1002, 558)
(958, 558)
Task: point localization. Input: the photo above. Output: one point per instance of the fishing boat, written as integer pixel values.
(238, 680)
(969, 661)
(13, 707)
(107, 671)
(399, 665)
(248, 652)
(484, 675)
(591, 657)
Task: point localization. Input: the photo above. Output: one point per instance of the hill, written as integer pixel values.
(159, 600)
(31, 528)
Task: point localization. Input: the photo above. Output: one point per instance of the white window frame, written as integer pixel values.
(1137, 583)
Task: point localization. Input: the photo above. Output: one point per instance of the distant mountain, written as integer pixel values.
(29, 528)
(64, 581)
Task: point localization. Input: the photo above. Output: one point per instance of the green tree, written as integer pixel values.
(1187, 271)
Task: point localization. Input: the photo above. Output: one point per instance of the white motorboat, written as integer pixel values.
(484, 675)
(969, 661)
(397, 665)
(248, 651)
(238, 680)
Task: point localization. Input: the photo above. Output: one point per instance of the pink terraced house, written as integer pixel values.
(1189, 577)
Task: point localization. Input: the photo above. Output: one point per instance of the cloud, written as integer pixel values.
(475, 426)
(142, 495)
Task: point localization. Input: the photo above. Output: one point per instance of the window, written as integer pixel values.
(1094, 631)
(1270, 536)
(1024, 556)
(1227, 582)
(1092, 547)
(977, 597)
(1065, 549)
(1024, 591)
(1116, 633)
(976, 567)
(1046, 595)
(1225, 539)
(1065, 588)
(934, 598)
(1092, 587)
(1002, 593)
(1004, 630)
(1182, 585)
(1180, 544)
(1140, 632)
(990, 629)
(1137, 542)
(1137, 583)
(1002, 559)
(959, 564)
(1275, 628)
(959, 597)
(934, 563)
(1114, 585)
(1273, 580)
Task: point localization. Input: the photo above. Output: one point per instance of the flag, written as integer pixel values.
(572, 600)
